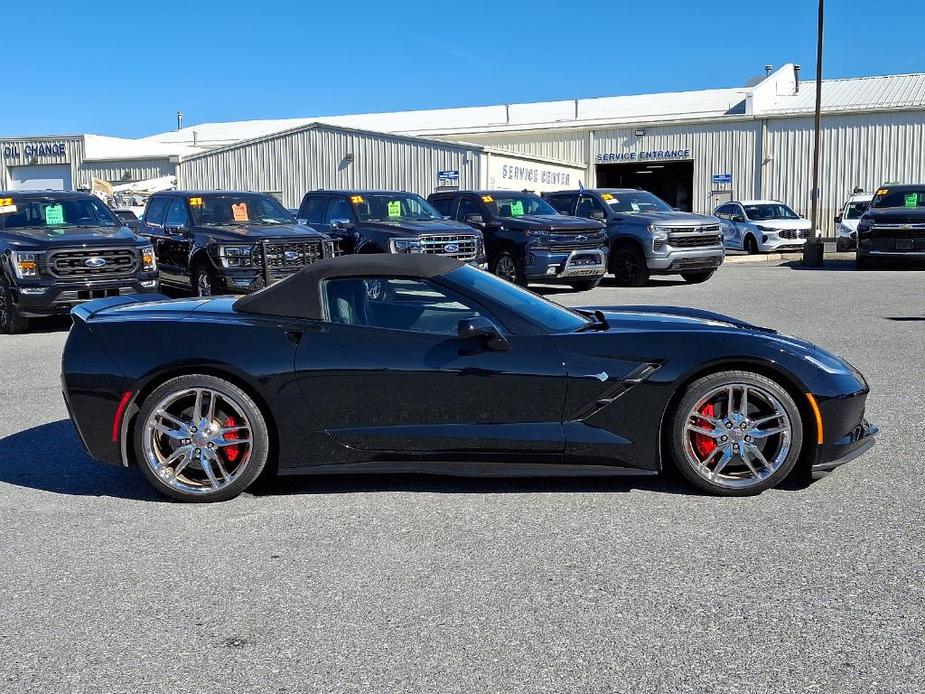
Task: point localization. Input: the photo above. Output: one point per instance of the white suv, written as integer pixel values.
(846, 224)
(762, 226)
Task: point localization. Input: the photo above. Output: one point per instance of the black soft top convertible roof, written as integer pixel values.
(299, 296)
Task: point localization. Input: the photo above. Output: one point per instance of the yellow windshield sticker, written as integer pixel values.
(195, 202)
(240, 212)
(394, 208)
(517, 208)
(912, 200)
(54, 214)
(606, 196)
(883, 191)
(356, 199)
(487, 198)
(7, 206)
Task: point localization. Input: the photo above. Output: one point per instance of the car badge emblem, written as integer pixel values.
(907, 226)
(451, 248)
(581, 237)
(292, 256)
(96, 262)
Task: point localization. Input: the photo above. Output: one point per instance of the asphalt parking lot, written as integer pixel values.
(411, 583)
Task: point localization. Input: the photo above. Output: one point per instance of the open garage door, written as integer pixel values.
(672, 181)
(41, 177)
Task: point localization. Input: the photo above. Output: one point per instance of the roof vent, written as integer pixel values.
(768, 69)
(179, 120)
(796, 79)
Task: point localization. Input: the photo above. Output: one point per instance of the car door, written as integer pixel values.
(590, 207)
(152, 227)
(724, 214)
(445, 205)
(340, 222)
(564, 203)
(387, 371)
(177, 242)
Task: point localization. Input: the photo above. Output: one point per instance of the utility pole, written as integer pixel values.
(814, 248)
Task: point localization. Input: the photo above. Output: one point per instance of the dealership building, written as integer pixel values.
(695, 149)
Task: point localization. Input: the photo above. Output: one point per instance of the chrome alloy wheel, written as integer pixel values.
(505, 269)
(737, 435)
(197, 440)
(203, 284)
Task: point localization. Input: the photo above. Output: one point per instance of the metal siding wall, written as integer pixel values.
(114, 171)
(314, 158)
(856, 150)
(715, 148)
(74, 147)
(566, 145)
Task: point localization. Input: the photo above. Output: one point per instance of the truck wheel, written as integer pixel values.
(506, 267)
(751, 246)
(585, 285)
(629, 268)
(11, 322)
(205, 282)
(697, 277)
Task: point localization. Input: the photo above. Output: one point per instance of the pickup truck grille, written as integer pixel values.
(286, 255)
(93, 263)
(576, 241)
(694, 241)
(460, 246)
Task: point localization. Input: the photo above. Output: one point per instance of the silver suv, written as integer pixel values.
(646, 236)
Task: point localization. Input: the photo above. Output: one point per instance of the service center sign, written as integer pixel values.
(644, 155)
(518, 174)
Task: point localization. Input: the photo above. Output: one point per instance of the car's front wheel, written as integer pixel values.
(750, 245)
(205, 281)
(735, 433)
(506, 267)
(629, 268)
(697, 277)
(11, 322)
(200, 438)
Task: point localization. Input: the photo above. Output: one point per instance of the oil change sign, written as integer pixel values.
(28, 150)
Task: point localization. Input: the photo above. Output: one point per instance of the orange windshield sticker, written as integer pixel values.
(356, 199)
(883, 191)
(195, 202)
(240, 212)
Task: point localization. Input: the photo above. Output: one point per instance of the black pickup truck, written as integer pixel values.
(893, 228)
(529, 241)
(367, 221)
(58, 249)
(216, 242)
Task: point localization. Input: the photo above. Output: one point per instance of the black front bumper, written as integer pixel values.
(847, 433)
(56, 298)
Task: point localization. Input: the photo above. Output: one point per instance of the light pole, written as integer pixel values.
(814, 248)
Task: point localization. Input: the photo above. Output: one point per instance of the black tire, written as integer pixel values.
(11, 323)
(585, 285)
(628, 266)
(750, 245)
(205, 281)
(677, 441)
(259, 433)
(507, 267)
(697, 277)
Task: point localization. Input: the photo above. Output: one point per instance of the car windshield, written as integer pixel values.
(854, 210)
(550, 316)
(905, 197)
(231, 209)
(392, 207)
(517, 204)
(770, 210)
(60, 214)
(634, 202)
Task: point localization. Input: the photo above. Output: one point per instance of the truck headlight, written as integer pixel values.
(405, 246)
(26, 265)
(654, 229)
(148, 261)
(235, 256)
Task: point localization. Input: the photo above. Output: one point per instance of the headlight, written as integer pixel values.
(330, 250)
(766, 229)
(537, 232)
(654, 229)
(148, 261)
(26, 265)
(235, 256)
(405, 246)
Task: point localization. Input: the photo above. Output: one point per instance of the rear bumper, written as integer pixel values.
(565, 265)
(52, 298)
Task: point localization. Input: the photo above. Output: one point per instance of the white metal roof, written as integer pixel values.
(855, 94)
(104, 148)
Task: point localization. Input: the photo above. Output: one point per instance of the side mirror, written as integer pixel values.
(485, 331)
(738, 218)
(598, 215)
(174, 229)
(838, 219)
(341, 224)
(302, 221)
(474, 219)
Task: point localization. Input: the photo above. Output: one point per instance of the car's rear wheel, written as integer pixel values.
(751, 245)
(200, 438)
(11, 322)
(506, 267)
(584, 285)
(628, 265)
(735, 433)
(205, 281)
(697, 277)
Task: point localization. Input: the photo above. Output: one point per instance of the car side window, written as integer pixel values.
(338, 208)
(590, 208)
(312, 209)
(176, 214)
(468, 206)
(561, 203)
(445, 206)
(154, 212)
(394, 303)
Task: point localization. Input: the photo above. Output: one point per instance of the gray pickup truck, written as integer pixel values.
(645, 235)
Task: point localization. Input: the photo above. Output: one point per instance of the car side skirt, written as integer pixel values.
(470, 469)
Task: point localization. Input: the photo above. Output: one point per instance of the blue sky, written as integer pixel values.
(105, 71)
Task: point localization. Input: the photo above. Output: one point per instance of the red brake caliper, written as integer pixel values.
(231, 452)
(703, 443)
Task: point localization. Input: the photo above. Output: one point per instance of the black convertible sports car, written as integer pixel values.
(421, 363)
